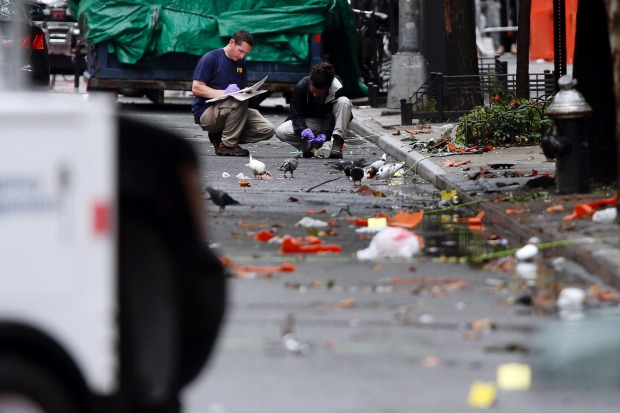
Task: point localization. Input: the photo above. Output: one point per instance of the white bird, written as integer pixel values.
(258, 168)
(387, 171)
(378, 164)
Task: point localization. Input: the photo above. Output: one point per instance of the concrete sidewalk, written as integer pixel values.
(504, 192)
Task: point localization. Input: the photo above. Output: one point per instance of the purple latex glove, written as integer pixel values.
(232, 88)
(307, 134)
(319, 139)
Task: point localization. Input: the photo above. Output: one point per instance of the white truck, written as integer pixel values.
(110, 300)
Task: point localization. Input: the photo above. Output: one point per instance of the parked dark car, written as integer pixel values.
(66, 46)
(24, 59)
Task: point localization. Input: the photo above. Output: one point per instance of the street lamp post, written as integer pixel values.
(409, 68)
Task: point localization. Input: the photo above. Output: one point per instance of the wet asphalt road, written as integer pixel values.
(339, 335)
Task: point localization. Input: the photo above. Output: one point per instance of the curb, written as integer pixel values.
(598, 260)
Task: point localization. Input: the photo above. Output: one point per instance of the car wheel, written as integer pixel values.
(27, 388)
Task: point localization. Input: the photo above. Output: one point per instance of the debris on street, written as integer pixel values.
(392, 242)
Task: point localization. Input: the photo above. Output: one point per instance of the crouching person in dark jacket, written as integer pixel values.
(319, 113)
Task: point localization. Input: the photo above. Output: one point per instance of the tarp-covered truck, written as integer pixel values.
(144, 47)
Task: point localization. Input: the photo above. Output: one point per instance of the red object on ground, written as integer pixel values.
(588, 209)
(284, 267)
(264, 236)
(291, 247)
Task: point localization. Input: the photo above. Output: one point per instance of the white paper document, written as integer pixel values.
(245, 93)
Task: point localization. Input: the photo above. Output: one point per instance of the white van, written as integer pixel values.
(110, 300)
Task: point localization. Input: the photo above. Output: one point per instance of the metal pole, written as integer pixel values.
(559, 44)
(409, 68)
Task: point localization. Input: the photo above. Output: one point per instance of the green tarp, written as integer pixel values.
(145, 29)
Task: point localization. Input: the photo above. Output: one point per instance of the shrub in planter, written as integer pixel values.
(504, 122)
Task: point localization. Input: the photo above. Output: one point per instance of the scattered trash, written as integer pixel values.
(473, 221)
(240, 175)
(501, 165)
(555, 208)
(527, 252)
(588, 209)
(406, 220)
(481, 394)
(514, 376)
(377, 222)
(527, 271)
(347, 303)
(264, 236)
(225, 175)
(606, 216)
(316, 211)
(244, 184)
(515, 211)
(289, 246)
(456, 163)
(484, 325)
(426, 319)
(431, 361)
(392, 242)
(308, 222)
(254, 271)
(571, 298)
(290, 340)
(447, 195)
(366, 190)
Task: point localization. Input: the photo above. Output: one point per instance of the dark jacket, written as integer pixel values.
(303, 106)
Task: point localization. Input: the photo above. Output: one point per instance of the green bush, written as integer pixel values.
(504, 122)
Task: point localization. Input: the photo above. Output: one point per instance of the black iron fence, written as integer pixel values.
(443, 97)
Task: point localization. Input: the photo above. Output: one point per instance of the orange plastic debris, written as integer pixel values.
(313, 211)
(515, 211)
(588, 209)
(477, 220)
(291, 247)
(263, 236)
(455, 163)
(555, 208)
(284, 267)
(406, 220)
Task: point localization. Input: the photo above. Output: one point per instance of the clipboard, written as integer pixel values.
(243, 94)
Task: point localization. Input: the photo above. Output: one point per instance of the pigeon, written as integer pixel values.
(340, 165)
(289, 165)
(378, 164)
(258, 168)
(388, 170)
(357, 174)
(220, 198)
(373, 168)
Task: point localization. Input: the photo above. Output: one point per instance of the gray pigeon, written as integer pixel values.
(357, 174)
(344, 164)
(220, 198)
(290, 165)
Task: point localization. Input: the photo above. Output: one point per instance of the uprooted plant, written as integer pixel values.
(504, 122)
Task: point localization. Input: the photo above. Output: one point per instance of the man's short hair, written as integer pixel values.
(241, 36)
(322, 75)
